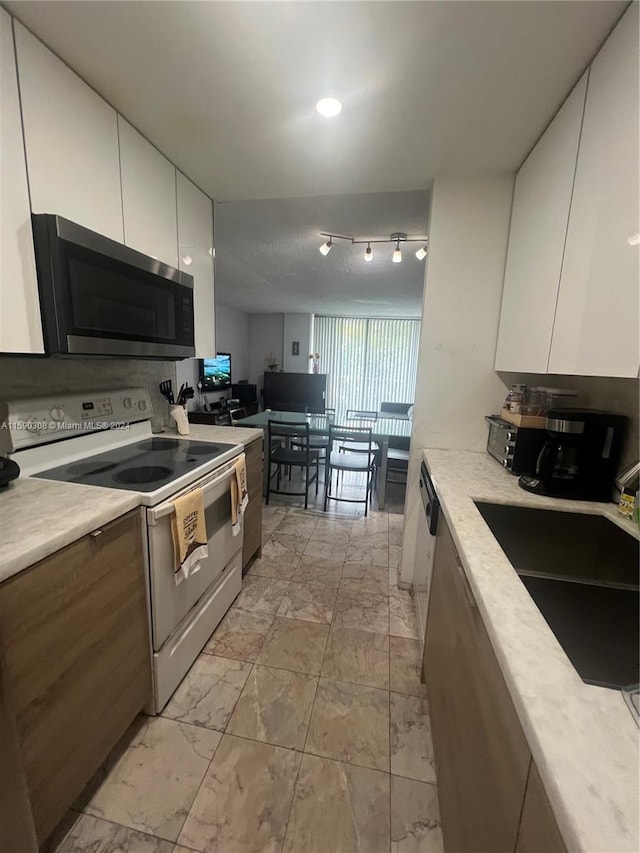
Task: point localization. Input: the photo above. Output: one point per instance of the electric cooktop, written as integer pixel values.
(142, 466)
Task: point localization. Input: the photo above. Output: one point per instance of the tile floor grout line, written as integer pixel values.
(304, 745)
(82, 814)
(204, 776)
(352, 764)
(390, 747)
(222, 734)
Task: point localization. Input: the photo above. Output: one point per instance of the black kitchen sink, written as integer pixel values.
(582, 572)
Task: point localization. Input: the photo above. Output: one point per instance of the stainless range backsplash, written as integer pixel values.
(21, 376)
(595, 392)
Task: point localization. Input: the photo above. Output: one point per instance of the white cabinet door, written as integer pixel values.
(195, 240)
(148, 197)
(71, 139)
(596, 324)
(20, 326)
(539, 218)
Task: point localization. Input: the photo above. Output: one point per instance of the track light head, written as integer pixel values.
(397, 255)
(368, 254)
(421, 254)
(326, 247)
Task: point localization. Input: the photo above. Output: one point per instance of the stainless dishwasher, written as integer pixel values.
(425, 548)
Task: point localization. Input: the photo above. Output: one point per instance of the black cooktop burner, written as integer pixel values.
(82, 469)
(159, 444)
(142, 466)
(142, 474)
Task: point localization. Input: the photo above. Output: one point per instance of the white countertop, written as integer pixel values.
(39, 517)
(583, 739)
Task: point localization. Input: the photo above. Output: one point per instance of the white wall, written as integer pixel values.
(457, 385)
(232, 335)
(266, 333)
(297, 327)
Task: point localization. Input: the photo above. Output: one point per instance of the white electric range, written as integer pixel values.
(105, 439)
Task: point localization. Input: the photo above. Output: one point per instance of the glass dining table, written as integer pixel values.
(382, 430)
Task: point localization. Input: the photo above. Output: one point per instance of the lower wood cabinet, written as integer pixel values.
(539, 831)
(482, 757)
(75, 636)
(16, 821)
(252, 544)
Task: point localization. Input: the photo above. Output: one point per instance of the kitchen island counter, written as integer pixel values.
(582, 738)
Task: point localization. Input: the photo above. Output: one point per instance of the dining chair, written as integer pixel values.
(237, 415)
(398, 459)
(316, 442)
(361, 415)
(282, 455)
(360, 462)
(395, 409)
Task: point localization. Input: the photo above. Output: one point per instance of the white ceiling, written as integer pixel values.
(267, 256)
(227, 89)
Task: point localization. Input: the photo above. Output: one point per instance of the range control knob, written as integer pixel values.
(142, 405)
(127, 402)
(57, 413)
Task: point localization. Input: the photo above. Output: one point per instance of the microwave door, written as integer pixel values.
(102, 298)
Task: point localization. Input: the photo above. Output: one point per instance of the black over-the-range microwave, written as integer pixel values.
(98, 297)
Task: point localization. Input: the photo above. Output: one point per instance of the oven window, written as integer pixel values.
(218, 514)
(110, 303)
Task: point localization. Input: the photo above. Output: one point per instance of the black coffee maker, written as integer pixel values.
(579, 458)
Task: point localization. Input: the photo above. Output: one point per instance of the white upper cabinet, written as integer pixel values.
(20, 327)
(148, 197)
(596, 325)
(539, 218)
(71, 140)
(195, 241)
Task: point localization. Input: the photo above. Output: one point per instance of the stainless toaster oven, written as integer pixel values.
(516, 448)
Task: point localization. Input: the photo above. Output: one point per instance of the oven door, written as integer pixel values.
(99, 297)
(170, 603)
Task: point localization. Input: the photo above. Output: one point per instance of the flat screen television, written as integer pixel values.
(215, 373)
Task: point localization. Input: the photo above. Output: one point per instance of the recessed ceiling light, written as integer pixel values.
(328, 107)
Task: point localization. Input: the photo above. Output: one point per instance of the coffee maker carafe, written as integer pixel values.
(579, 458)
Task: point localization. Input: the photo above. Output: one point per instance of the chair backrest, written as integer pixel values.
(281, 432)
(360, 415)
(396, 408)
(346, 435)
(237, 414)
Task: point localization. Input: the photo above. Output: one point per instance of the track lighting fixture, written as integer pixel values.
(397, 255)
(397, 238)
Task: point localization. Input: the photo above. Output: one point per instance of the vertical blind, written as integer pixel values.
(367, 361)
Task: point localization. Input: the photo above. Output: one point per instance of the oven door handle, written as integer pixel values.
(219, 476)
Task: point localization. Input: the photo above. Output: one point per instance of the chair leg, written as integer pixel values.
(306, 486)
(327, 479)
(268, 485)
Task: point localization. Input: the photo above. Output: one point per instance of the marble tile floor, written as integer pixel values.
(302, 727)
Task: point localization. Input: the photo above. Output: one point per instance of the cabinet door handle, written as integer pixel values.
(465, 583)
(95, 533)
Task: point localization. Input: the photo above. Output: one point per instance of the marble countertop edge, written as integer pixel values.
(39, 517)
(562, 717)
